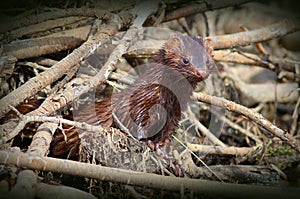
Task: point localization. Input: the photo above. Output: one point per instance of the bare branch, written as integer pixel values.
(254, 116)
(197, 186)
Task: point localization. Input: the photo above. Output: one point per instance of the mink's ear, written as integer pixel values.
(173, 43)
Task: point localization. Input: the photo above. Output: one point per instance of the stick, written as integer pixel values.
(203, 187)
(254, 116)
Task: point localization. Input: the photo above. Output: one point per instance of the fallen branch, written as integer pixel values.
(203, 187)
(254, 116)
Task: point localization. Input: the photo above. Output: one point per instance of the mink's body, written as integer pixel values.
(150, 109)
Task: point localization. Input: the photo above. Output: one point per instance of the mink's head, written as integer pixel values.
(191, 56)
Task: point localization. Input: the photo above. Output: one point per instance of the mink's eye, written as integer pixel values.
(185, 61)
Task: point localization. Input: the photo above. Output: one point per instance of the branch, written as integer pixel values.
(279, 29)
(201, 7)
(254, 116)
(231, 40)
(203, 187)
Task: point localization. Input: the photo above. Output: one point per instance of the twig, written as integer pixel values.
(295, 117)
(197, 157)
(252, 59)
(33, 65)
(207, 31)
(262, 92)
(255, 117)
(183, 24)
(237, 127)
(203, 187)
(24, 119)
(209, 135)
(66, 79)
(265, 63)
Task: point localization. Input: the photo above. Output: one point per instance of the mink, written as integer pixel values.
(149, 109)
